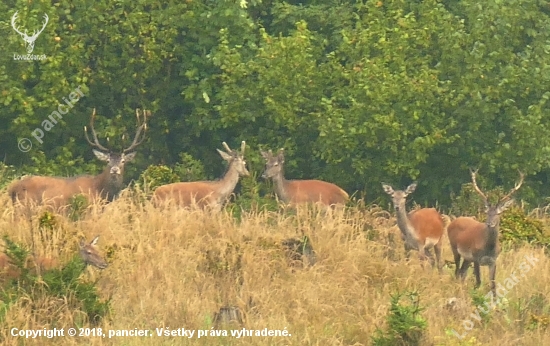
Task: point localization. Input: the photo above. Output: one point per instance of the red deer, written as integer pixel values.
(57, 191)
(476, 241)
(420, 229)
(206, 194)
(88, 252)
(300, 191)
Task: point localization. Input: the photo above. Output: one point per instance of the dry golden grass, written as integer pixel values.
(176, 268)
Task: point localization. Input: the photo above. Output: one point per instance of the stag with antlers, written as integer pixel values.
(477, 242)
(56, 191)
(29, 40)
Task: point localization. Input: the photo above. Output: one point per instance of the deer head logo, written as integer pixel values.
(29, 40)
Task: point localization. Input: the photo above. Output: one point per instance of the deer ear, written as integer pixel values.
(410, 189)
(101, 155)
(281, 156)
(505, 206)
(225, 155)
(265, 154)
(387, 189)
(129, 157)
(95, 240)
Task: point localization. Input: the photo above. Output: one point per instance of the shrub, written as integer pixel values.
(517, 228)
(405, 324)
(155, 176)
(189, 169)
(7, 174)
(250, 198)
(77, 207)
(54, 285)
(469, 202)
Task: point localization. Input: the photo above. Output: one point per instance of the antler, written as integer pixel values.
(13, 19)
(518, 185)
(243, 146)
(141, 127)
(226, 147)
(43, 26)
(95, 143)
(473, 174)
(34, 34)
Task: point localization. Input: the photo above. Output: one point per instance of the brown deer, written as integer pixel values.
(206, 194)
(476, 241)
(296, 192)
(57, 191)
(88, 252)
(420, 229)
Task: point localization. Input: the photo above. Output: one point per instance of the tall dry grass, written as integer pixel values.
(176, 268)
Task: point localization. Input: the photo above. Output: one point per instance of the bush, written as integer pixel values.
(29, 287)
(188, 169)
(250, 198)
(155, 176)
(7, 174)
(469, 202)
(517, 228)
(78, 204)
(405, 324)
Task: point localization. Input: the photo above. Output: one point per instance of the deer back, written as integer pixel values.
(185, 194)
(314, 191)
(51, 190)
(9, 270)
(467, 233)
(427, 222)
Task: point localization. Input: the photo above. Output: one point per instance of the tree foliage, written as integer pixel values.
(357, 92)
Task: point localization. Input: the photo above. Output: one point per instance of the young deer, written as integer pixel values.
(420, 229)
(476, 241)
(56, 191)
(300, 191)
(207, 194)
(88, 252)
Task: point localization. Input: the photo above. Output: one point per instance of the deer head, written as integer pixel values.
(235, 158)
(90, 254)
(494, 210)
(117, 160)
(274, 164)
(29, 40)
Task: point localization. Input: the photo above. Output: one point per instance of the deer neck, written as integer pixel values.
(492, 237)
(108, 185)
(227, 184)
(404, 223)
(281, 186)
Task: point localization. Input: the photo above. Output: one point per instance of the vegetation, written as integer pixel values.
(405, 325)
(56, 293)
(179, 268)
(357, 92)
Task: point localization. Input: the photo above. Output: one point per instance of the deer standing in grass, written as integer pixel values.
(476, 241)
(420, 229)
(57, 191)
(207, 194)
(300, 191)
(88, 252)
